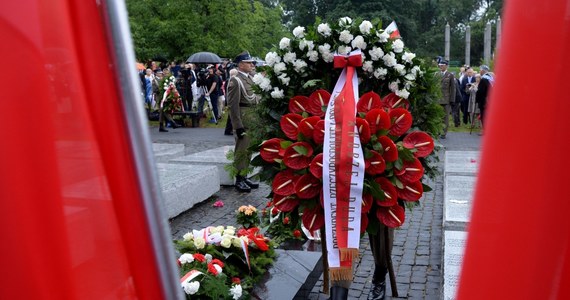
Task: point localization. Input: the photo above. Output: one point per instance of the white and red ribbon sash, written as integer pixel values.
(343, 171)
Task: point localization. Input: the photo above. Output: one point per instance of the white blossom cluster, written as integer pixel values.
(224, 237)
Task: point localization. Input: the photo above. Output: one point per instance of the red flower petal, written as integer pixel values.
(270, 150)
(290, 125)
(363, 222)
(392, 101)
(413, 171)
(390, 193)
(366, 203)
(298, 104)
(378, 119)
(401, 121)
(390, 152)
(318, 100)
(313, 219)
(307, 186)
(363, 130)
(316, 167)
(296, 160)
(393, 216)
(285, 203)
(284, 183)
(368, 101)
(420, 141)
(319, 133)
(375, 165)
(412, 191)
(307, 126)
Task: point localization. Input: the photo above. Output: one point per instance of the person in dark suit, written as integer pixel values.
(241, 100)
(448, 93)
(483, 92)
(466, 83)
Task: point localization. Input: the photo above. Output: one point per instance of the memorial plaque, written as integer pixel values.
(462, 162)
(458, 198)
(454, 247)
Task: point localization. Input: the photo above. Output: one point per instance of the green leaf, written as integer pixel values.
(427, 188)
(311, 83)
(405, 153)
(397, 182)
(375, 189)
(399, 164)
(275, 115)
(377, 146)
(301, 150)
(285, 144)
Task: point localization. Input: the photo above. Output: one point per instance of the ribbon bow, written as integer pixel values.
(341, 61)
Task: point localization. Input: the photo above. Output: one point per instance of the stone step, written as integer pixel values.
(462, 162)
(183, 186)
(453, 250)
(213, 157)
(165, 152)
(458, 197)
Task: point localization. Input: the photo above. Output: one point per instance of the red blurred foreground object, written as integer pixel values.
(519, 236)
(79, 215)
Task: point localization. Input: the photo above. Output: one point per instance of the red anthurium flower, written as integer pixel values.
(393, 216)
(363, 130)
(390, 193)
(378, 119)
(413, 171)
(374, 165)
(285, 203)
(363, 222)
(298, 104)
(401, 121)
(390, 152)
(271, 149)
(313, 219)
(366, 203)
(412, 191)
(392, 101)
(308, 125)
(284, 183)
(307, 186)
(298, 156)
(420, 141)
(319, 133)
(316, 167)
(368, 101)
(290, 125)
(317, 100)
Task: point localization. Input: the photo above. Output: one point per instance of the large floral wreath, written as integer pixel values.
(171, 100)
(394, 86)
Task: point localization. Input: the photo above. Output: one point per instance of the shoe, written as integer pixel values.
(339, 293)
(250, 183)
(161, 129)
(378, 291)
(442, 137)
(242, 187)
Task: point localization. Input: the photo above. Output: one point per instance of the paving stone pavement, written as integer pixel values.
(417, 252)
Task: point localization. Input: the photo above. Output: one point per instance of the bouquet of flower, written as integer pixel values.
(279, 225)
(171, 100)
(247, 216)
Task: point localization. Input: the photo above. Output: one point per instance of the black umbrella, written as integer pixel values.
(204, 58)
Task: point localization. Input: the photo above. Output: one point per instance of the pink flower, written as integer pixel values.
(218, 203)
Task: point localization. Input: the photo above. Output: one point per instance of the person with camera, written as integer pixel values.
(241, 100)
(466, 83)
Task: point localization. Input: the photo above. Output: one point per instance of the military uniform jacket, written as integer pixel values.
(241, 98)
(447, 88)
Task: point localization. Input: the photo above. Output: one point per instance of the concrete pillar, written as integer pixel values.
(468, 45)
(487, 45)
(498, 35)
(447, 40)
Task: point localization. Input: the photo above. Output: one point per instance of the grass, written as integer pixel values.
(462, 127)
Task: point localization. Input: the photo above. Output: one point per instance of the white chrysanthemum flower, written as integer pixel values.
(199, 242)
(208, 257)
(271, 58)
(236, 291)
(376, 53)
(325, 51)
(367, 66)
(265, 85)
(393, 86)
(380, 73)
(398, 46)
(410, 76)
(363, 56)
(416, 71)
(346, 21)
(344, 50)
(324, 29)
(186, 258)
(289, 57)
(277, 93)
(188, 236)
(299, 32)
(408, 56)
(389, 59)
(401, 69)
(258, 78)
(299, 65)
(190, 288)
(345, 37)
(278, 68)
(218, 269)
(365, 27)
(383, 36)
(310, 45)
(403, 93)
(284, 43)
(284, 79)
(328, 57)
(313, 55)
(359, 42)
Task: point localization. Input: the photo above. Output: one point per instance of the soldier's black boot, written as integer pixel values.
(250, 183)
(339, 293)
(378, 290)
(241, 186)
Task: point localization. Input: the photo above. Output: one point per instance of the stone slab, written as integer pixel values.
(183, 186)
(292, 276)
(454, 248)
(458, 198)
(462, 162)
(213, 157)
(165, 152)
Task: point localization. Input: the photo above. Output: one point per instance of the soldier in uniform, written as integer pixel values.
(241, 100)
(448, 92)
